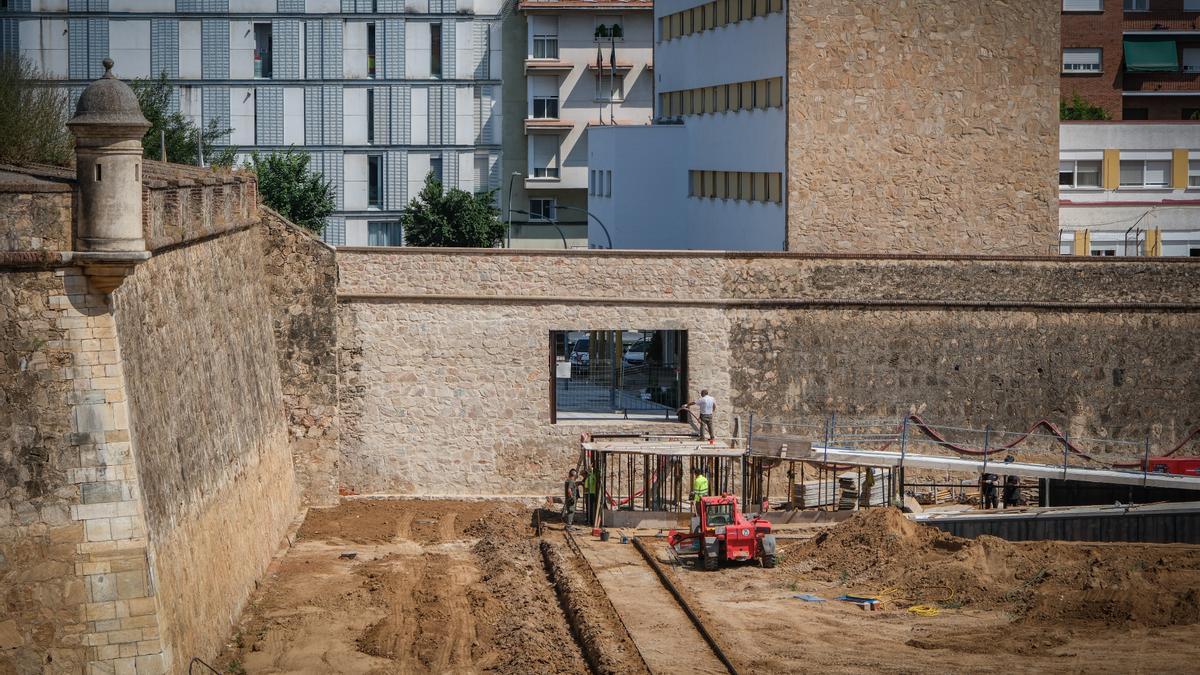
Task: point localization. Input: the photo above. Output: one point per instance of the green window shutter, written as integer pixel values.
(1151, 56)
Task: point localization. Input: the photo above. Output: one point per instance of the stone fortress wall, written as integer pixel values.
(146, 472)
(446, 371)
(923, 126)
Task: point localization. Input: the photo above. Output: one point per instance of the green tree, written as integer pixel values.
(453, 217)
(180, 135)
(32, 116)
(1079, 109)
(286, 185)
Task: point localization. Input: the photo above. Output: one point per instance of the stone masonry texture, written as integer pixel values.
(146, 472)
(445, 376)
(922, 126)
(302, 273)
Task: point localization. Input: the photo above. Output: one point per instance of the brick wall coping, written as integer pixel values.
(764, 303)
(743, 255)
(156, 175)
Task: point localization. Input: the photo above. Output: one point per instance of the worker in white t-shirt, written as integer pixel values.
(706, 406)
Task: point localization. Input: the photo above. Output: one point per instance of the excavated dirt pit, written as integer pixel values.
(1001, 606)
(408, 586)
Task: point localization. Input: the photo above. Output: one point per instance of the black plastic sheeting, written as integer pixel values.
(1179, 527)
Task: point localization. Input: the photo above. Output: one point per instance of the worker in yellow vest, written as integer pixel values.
(589, 486)
(699, 485)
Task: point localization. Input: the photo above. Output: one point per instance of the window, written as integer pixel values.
(370, 50)
(545, 46)
(375, 181)
(1135, 113)
(1079, 173)
(754, 186)
(435, 168)
(1191, 5)
(1194, 173)
(544, 156)
(639, 373)
(262, 50)
(1083, 5)
(609, 88)
(1104, 251)
(435, 50)
(543, 209)
(385, 233)
(1191, 60)
(1137, 5)
(1189, 114)
(592, 182)
(545, 107)
(1083, 60)
(608, 183)
(370, 116)
(1151, 173)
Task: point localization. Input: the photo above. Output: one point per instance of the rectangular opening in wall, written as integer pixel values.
(262, 50)
(370, 50)
(435, 168)
(375, 181)
(435, 50)
(370, 116)
(618, 374)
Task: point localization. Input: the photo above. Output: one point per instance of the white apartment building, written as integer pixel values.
(1129, 188)
(571, 89)
(709, 173)
(378, 92)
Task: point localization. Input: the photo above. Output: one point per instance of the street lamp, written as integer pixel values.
(510, 209)
(598, 221)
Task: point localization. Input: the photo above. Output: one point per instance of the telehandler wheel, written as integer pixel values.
(768, 561)
(709, 563)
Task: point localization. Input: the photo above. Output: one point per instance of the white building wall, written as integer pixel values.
(357, 232)
(354, 49)
(464, 115)
(418, 166)
(241, 50)
(416, 49)
(129, 48)
(189, 49)
(419, 115)
(241, 115)
(464, 48)
(354, 116)
(322, 6)
(1117, 220)
(191, 103)
(42, 45)
(141, 5)
(355, 176)
(262, 6)
(293, 116)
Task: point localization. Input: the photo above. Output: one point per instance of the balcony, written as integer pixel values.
(552, 125)
(547, 66)
(1182, 81)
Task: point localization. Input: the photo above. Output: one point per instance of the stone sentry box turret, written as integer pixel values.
(108, 127)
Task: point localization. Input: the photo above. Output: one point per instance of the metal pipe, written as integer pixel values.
(589, 213)
(540, 219)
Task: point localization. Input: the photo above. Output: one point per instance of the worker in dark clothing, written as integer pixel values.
(988, 484)
(1012, 486)
(571, 497)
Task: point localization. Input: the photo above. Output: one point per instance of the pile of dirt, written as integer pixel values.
(879, 551)
(366, 521)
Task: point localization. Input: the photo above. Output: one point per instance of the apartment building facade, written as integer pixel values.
(716, 155)
(378, 92)
(572, 67)
(1129, 189)
(1137, 59)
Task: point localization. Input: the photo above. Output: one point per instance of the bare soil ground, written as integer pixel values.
(1002, 606)
(433, 586)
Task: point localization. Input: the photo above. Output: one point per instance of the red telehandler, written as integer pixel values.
(723, 532)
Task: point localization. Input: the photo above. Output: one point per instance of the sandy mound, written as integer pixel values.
(882, 552)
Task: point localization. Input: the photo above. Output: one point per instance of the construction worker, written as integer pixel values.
(1012, 486)
(589, 486)
(570, 497)
(706, 405)
(699, 486)
(988, 483)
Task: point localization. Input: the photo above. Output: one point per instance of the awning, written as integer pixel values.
(1151, 56)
